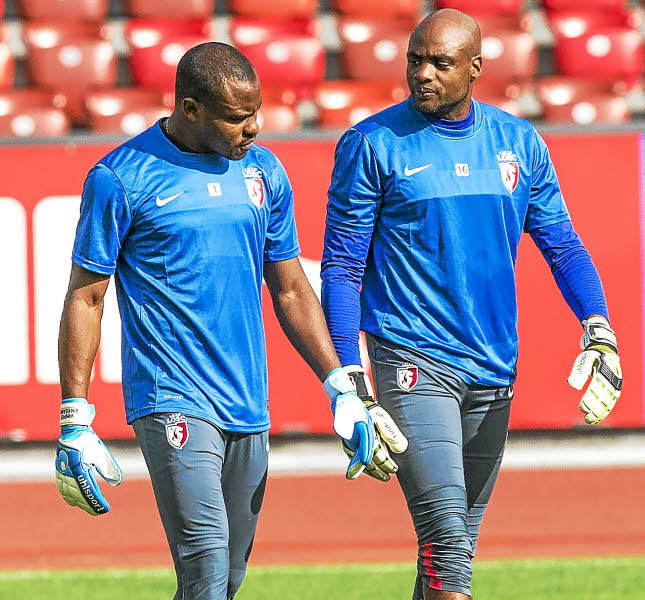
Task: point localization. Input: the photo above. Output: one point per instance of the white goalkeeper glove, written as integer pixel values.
(387, 434)
(352, 420)
(600, 360)
(79, 455)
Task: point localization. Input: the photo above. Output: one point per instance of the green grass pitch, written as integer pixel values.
(580, 579)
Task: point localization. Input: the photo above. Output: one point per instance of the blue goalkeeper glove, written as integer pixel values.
(79, 455)
(352, 420)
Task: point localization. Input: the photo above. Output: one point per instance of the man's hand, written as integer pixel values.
(352, 421)
(388, 435)
(600, 360)
(79, 454)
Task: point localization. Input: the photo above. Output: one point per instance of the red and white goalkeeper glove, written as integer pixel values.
(599, 360)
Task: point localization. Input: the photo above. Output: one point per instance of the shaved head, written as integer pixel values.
(205, 70)
(444, 60)
(460, 27)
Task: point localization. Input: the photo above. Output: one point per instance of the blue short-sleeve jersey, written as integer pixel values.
(186, 236)
(445, 208)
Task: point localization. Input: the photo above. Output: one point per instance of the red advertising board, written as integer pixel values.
(39, 198)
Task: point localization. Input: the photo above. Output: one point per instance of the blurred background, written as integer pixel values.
(79, 76)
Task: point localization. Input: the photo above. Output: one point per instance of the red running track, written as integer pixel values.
(325, 519)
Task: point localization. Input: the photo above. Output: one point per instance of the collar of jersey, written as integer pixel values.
(434, 125)
(203, 158)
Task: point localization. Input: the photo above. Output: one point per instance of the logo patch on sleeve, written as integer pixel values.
(407, 377)
(177, 430)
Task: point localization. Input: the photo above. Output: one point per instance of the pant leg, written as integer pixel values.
(187, 486)
(243, 482)
(485, 415)
(430, 471)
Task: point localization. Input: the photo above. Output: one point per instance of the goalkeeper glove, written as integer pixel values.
(352, 420)
(600, 360)
(79, 454)
(387, 433)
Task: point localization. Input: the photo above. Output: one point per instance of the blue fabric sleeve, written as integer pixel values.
(572, 269)
(282, 239)
(354, 201)
(546, 204)
(104, 222)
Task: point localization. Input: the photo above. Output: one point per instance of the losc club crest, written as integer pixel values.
(255, 188)
(407, 376)
(509, 169)
(177, 430)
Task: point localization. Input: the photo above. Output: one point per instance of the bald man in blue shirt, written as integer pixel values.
(427, 204)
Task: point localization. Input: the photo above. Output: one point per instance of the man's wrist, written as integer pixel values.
(76, 411)
(337, 382)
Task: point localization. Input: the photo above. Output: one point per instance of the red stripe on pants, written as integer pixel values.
(428, 567)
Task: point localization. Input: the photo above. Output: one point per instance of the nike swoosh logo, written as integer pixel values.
(409, 172)
(165, 201)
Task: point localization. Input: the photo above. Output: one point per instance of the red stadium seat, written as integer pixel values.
(477, 6)
(6, 66)
(110, 102)
(508, 56)
(607, 53)
(279, 95)
(391, 9)
(375, 49)
(155, 66)
(47, 34)
(558, 91)
(62, 10)
(284, 52)
(169, 8)
(490, 23)
(268, 9)
(571, 24)
(591, 109)
(130, 122)
(277, 117)
(584, 4)
(35, 122)
(145, 33)
(246, 31)
(15, 100)
(492, 88)
(342, 104)
(72, 69)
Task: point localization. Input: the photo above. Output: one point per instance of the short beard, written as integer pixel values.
(441, 112)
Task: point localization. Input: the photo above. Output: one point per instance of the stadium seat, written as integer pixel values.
(271, 9)
(607, 53)
(284, 52)
(489, 23)
(375, 49)
(274, 94)
(508, 56)
(15, 100)
(47, 34)
(112, 101)
(390, 9)
(342, 104)
(62, 10)
(492, 88)
(591, 109)
(73, 68)
(145, 33)
(169, 8)
(571, 24)
(277, 117)
(155, 66)
(245, 31)
(558, 90)
(584, 4)
(496, 7)
(6, 66)
(35, 122)
(130, 122)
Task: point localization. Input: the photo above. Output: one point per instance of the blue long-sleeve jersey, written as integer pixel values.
(427, 217)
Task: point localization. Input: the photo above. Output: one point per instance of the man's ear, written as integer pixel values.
(475, 68)
(192, 109)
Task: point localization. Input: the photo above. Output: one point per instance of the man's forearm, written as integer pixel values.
(78, 342)
(303, 322)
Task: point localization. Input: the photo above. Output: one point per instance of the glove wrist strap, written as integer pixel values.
(76, 411)
(337, 382)
(597, 333)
